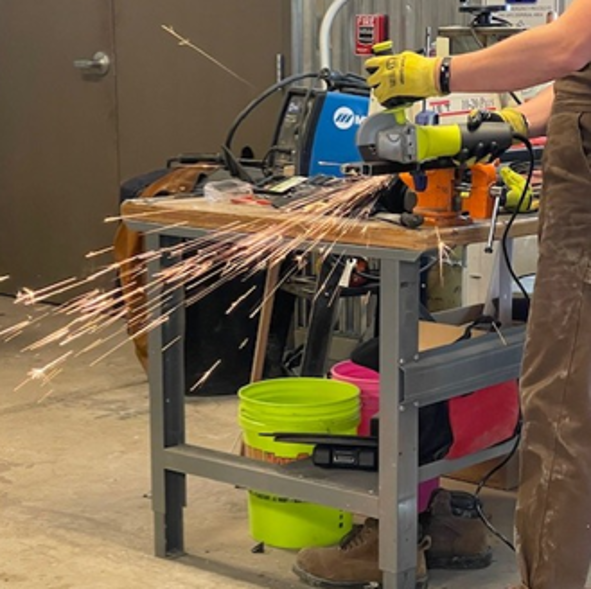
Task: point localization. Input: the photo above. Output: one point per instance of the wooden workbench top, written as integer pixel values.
(250, 218)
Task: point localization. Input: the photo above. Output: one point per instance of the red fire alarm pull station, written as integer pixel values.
(369, 30)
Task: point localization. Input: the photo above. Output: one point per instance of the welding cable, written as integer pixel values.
(322, 74)
(337, 81)
(267, 161)
(261, 98)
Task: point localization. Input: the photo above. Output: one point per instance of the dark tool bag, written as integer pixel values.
(462, 425)
(211, 335)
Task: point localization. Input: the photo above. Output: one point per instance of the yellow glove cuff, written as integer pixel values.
(517, 120)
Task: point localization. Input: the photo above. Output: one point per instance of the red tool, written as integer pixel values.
(250, 199)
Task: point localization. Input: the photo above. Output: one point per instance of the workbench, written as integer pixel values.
(408, 380)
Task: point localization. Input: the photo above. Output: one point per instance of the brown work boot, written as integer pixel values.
(459, 539)
(354, 562)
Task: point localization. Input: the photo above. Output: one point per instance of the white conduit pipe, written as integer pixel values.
(326, 30)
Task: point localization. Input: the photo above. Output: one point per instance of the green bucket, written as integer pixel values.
(307, 405)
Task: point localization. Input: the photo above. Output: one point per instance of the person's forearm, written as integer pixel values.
(536, 56)
(537, 111)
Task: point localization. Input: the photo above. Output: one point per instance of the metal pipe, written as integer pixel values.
(325, 32)
(297, 27)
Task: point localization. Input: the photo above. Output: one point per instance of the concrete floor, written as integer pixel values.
(74, 487)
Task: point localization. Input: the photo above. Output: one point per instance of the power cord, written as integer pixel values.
(483, 482)
(517, 280)
(516, 211)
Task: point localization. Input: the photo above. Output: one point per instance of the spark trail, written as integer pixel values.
(98, 322)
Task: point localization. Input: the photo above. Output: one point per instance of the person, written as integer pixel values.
(553, 513)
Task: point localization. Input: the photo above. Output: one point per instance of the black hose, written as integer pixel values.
(262, 97)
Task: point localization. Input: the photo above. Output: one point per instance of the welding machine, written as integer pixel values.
(316, 131)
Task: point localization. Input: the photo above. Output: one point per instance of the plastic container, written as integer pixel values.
(306, 405)
(226, 190)
(368, 382)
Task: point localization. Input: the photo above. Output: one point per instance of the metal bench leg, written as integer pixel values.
(167, 408)
(399, 305)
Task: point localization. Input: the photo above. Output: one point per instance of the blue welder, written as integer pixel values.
(317, 128)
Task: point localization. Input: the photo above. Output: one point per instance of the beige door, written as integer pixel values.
(58, 139)
(69, 136)
(173, 99)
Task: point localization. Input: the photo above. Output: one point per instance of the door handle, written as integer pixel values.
(97, 66)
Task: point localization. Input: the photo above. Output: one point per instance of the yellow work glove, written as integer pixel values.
(406, 74)
(515, 184)
(508, 115)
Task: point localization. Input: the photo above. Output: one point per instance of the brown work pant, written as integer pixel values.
(553, 519)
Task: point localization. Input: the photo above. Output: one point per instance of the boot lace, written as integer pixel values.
(356, 537)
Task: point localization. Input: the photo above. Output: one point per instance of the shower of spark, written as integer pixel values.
(47, 373)
(206, 376)
(240, 299)
(100, 252)
(31, 297)
(200, 266)
(444, 254)
(184, 42)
